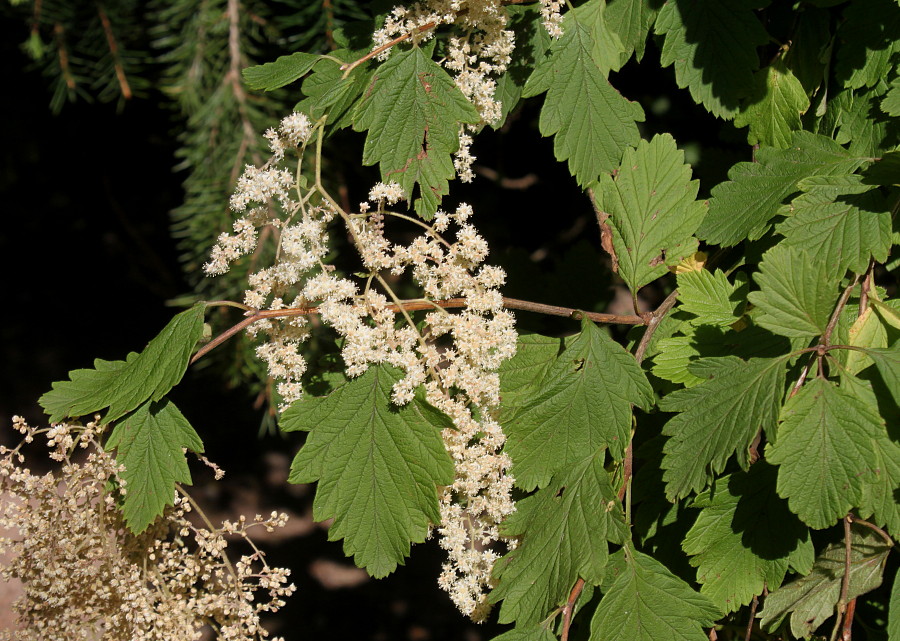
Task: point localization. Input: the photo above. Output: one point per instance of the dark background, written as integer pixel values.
(89, 269)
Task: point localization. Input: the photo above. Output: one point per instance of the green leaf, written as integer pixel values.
(584, 405)
(811, 599)
(675, 355)
(891, 103)
(893, 625)
(710, 297)
(869, 36)
(713, 46)
(328, 92)
(563, 531)
(864, 126)
(745, 538)
(527, 633)
(524, 375)
(718, 418)
(888, 363)
(881, 499)
(774, 106)
(608, 48)
(824, 450)
(644, 601)
(149, 443)
(797, 292)
(377, 466)
(742, 206)
(532, 44)
(591, 122)
(652, 208)
(845, 230)
(124, 385)
(631, 20)
(284, 71)
(413, 111)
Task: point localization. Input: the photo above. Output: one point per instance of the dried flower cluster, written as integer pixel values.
(455, 357)
(87, 577)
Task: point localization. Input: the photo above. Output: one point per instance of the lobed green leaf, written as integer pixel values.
(378, 466)
(584, 405)
(718, 418)
(644, 601)
(652, 210)
(283, 71)
(122, 386)
(563, 531)
(591, 122)
(413, 111)
(149, 443)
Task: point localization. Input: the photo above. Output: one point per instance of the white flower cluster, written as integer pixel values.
(551, 16)
(455, 358)
(86, 577)
(482, 54)
(303, 243)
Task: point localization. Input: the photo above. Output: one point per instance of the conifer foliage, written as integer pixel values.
(751, 414)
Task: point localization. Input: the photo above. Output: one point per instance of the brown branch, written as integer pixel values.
(652, 323)
(569, 608)
(254, 316)
(833, 321)
(845, 580)
(114, 51)
(753, 605)
(848, 620)
(59, 31)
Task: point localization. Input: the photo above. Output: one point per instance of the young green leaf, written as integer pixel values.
(888, 363)
(718, 418)
(591, 122)
(413, 111)
(122, 386)
(745, 538)
(584, 405)
(798, 291)
(149, 443)
(710, 297)
(862, 125)
(742, 206)
(671, 363)
(652, 208)
(811, 599)
(774, 106)
(824, 450)
(283, 71)
(713, 46)
(845, 229)
(563, 531)
(377, 466)
(644, 601)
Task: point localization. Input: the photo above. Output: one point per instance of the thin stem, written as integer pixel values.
(349, 67)
(208, 524)
(874, 528)
(652, 323)
(845, 580)
(832, 322)
(753, 605)
(569, 608)
(229, 303)
(848, 620)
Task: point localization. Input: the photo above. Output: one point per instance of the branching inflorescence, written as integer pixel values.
(86, 576)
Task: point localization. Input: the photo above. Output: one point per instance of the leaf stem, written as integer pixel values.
(753, 605)
(845, 580)
(884, 535)
(569, 608)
